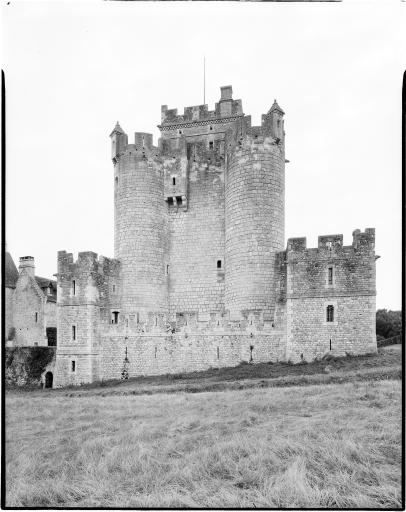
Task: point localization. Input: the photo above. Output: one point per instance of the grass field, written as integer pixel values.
(330, 445)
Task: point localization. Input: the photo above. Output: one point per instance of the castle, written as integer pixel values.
(201, 277)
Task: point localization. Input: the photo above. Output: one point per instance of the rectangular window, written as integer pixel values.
(73, 332)
(211, 146)
(74, 287)
(218, 263)
(330, 313)
(115, 317)
(36, 317)
(330, 276)
(73, 366)
(173, 181)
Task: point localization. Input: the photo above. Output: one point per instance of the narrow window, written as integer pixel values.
(116, 181)
(330, 313)
(73, 332)
(173, 181)
(74, 287)
(126, 322)
(218, 353)
(330, 275)
(155, 353)
(156, 321)
(218, 263)
(115, 317)
(36, 317)
(73, 366)
(211, 145)
(180, 132)
(251, 349)
(330, 344)
(211, 128)
(167, 270)
(114, 288)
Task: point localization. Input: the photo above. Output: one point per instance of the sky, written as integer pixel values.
(74, 68)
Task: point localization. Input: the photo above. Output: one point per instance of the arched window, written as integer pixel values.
(330, 313)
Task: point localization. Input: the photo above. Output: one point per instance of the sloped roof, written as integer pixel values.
(275, 106)
(10, 271)
(44, 284)
(117, 129)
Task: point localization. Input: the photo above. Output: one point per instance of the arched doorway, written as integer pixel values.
(48, 379)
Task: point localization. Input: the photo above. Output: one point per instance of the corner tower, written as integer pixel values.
(140, 234)
(255, 215)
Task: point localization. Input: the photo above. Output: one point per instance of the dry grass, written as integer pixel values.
(315, 446)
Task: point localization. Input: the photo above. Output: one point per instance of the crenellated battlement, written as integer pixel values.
(200, 114)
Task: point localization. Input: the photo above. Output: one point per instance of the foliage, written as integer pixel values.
(388, 323)
(24, 365)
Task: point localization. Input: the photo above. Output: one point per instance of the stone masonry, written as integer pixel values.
(201, 277)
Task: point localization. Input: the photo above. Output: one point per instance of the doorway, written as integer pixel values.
(48, 379)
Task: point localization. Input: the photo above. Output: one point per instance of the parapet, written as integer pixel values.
(86, 262)
(332, 245)
(225, 108)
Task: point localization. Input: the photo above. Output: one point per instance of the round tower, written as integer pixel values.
(140, 235)
(255, 217)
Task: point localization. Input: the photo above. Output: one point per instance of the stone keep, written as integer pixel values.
(200, 277)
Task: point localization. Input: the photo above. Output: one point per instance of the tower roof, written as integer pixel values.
(275, 106)
(117, 129)
(10, 271)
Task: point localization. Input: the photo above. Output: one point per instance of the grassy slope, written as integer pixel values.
(326, 445)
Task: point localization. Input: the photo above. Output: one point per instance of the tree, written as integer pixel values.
(388, 323)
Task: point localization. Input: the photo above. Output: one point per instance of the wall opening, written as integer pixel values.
(330, 313)
(173, 181)
(73, 366)
(74, 287)
(114, 288)
(51, 336)
(251, 349)
(218, 353)
(36, 317)
(330, 275)
(49, 378)
(211, 145)
(73, 332)
(330, 344)
(155, 352)
(167, 270)
(218, 263)
(114, 320)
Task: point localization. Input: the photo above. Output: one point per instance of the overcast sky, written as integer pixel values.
(74, 69)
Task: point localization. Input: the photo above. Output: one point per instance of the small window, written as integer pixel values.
(73, 332)
(74, 287)
(330, 313)
(330, 276)
(211, 128)
(114, 288)
(36, 317)
(211, 146)
(218, 263)
(180, 132)
(173, 181)
(218, 353)
(115, 317)
(167, 270)
(73, 366)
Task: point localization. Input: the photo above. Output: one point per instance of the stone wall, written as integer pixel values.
(157, 354)
(337, 276)
(29, 313)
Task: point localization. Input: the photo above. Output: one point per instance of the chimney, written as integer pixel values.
(27, 264)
